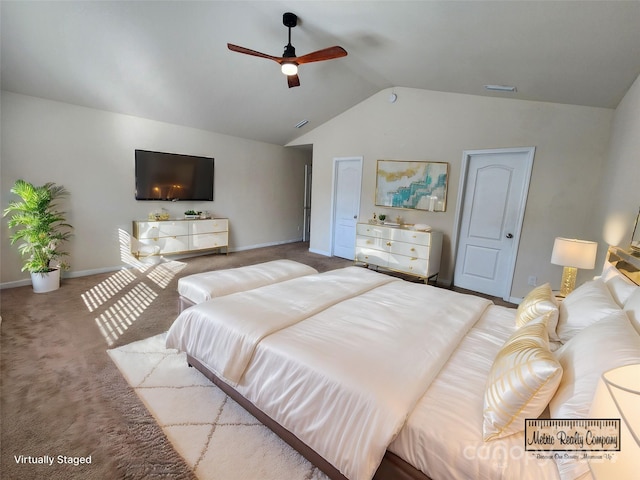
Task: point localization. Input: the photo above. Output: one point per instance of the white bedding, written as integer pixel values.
(201, 287)
(455, 441)
(314, 377)
(223, 332)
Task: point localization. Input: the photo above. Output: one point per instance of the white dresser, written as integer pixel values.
(400, 249)
(180, 236)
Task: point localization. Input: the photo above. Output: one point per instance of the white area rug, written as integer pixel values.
(216, 437)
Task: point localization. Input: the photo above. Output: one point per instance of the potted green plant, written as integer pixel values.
(42, 229)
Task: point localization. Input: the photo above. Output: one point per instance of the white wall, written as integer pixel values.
(620, 195)
(258, 186)
(571, 146)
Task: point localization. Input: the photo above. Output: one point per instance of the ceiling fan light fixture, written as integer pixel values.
(289, 69)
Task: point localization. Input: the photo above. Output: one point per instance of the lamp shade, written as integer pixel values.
(574, 253)
(618, 396)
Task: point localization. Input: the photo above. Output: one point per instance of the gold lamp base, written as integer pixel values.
(568, 280)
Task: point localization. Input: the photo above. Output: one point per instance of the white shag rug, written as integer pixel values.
(217, 438)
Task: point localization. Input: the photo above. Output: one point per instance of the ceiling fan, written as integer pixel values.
(289, 62)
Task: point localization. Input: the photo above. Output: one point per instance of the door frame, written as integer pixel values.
(334, 185)
(464, 171)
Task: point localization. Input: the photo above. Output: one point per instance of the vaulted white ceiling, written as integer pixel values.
(168, 60)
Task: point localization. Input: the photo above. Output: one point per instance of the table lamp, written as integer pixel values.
(618, 397)
(572, 254)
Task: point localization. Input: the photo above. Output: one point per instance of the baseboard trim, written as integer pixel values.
(320, 252)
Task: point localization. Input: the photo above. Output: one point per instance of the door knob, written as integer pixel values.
(509, 235)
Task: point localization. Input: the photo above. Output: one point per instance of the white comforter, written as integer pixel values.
(344, 377)
(225, 330)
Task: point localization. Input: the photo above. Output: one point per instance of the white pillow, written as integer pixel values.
(620, 289)
(587, 304)
(632, 308)
(609, 343)
(523, 378)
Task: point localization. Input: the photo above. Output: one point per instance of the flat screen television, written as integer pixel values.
(172, 177)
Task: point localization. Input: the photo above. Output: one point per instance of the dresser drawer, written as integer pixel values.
(377, 231)
(411, 236)
(372, 256)
(410, 250)
(414, 265)
(372, 243)
(208, 240)
(179, 243)
(208, 226)
(161, 229)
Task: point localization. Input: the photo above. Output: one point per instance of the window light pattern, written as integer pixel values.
(123, 297)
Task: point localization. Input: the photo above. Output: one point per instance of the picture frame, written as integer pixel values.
(408, 184)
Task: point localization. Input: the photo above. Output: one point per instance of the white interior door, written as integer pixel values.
(346, 205)
(494, 186)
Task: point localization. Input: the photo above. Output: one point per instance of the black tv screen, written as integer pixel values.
(171, 176)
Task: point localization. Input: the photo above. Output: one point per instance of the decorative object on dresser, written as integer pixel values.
(181, 236)
(401, 249)
(572, 254)
(411, 184)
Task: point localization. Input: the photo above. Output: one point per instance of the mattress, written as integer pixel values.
(201, 287)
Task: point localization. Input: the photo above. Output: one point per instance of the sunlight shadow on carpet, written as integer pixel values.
(119, 316)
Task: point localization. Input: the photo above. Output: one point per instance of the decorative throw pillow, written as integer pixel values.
(587, 304)
(609, 343)
(523, 378)
(538, 302)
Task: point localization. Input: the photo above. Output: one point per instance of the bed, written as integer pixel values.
(371, 376)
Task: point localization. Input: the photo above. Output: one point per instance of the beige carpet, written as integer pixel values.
(216, 437)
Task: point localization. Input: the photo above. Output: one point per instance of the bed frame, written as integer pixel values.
(392, 467)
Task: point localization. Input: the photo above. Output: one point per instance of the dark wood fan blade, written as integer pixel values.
(321, 55)
(293, 81)
(247, 51)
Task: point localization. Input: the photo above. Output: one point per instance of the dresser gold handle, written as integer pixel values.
(413, 249)
(388, 244)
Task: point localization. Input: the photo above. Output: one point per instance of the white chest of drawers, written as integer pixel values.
(399, 249)
(181, 236)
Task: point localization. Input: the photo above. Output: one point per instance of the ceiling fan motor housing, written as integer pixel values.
(290, 20)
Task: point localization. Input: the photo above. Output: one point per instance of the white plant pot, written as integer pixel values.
(45, 282)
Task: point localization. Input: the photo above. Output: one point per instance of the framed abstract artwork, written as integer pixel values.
(412, 184)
